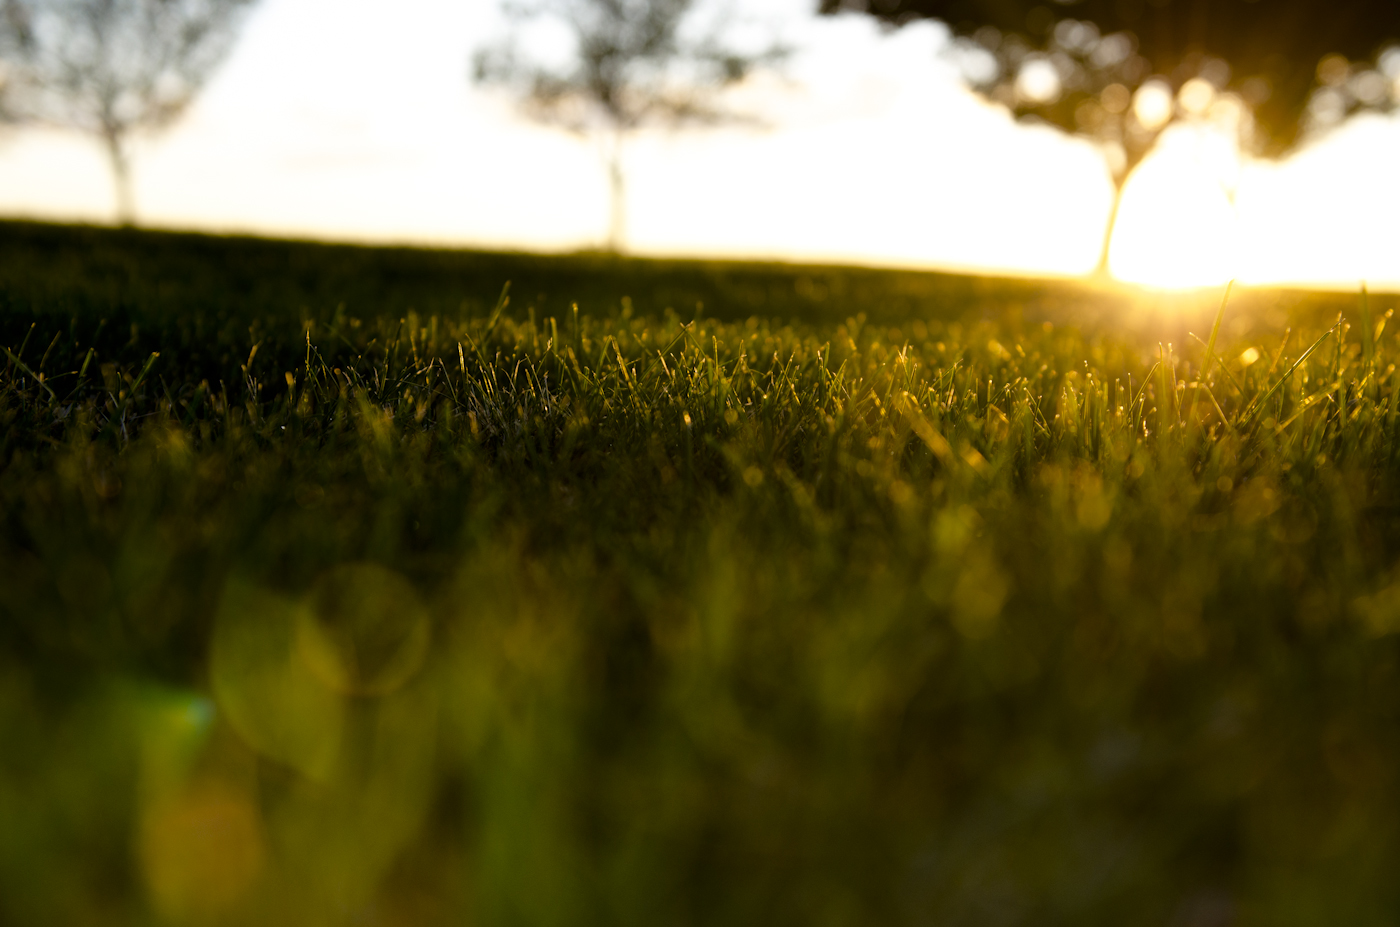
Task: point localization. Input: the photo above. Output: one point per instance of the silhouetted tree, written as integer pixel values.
(1120, 71)
(12, 47)
(113, 67)
(633, 63)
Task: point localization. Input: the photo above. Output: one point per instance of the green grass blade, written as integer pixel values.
(1210, 350)
(1258, 404)
(25, 367)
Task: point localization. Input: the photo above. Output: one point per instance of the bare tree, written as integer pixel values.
(12, 47)
(633, 63)
(112, 68)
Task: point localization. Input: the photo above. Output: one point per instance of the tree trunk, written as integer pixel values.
(115, 142)
(1101, 271)
(617, 215)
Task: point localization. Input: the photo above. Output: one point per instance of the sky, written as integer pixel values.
(356, 120)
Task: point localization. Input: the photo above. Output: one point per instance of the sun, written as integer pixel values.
(1177, 227)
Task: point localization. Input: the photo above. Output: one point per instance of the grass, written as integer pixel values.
(340, 589)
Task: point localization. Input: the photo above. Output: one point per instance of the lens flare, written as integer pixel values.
(366, 632)
(269, 695)
(201, 851)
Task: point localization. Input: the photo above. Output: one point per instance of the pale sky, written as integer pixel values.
(355, 120)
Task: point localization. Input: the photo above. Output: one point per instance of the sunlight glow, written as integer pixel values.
(1177, 227)
(869, 150)
(1329, 213)
(1152, 105)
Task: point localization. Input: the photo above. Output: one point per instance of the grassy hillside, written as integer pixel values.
(338, 590)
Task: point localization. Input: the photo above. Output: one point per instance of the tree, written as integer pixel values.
(1119, 71)
(112, 68)
(11, 47)
(633, 63)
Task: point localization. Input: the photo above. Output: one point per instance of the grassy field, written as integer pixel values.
(338, 589)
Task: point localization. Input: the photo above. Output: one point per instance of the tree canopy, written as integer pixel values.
(1119, 71)
(633, 63)
(1273, 53)
(112, 67)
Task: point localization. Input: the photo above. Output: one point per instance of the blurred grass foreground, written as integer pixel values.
(338, 591)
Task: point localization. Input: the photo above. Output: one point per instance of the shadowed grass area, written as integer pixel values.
(338, 592)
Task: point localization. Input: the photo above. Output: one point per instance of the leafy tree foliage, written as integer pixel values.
(111, 68)
(1120, 71)
(633, 63)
